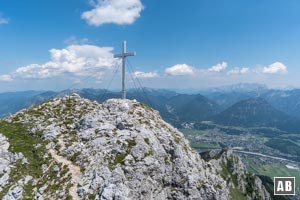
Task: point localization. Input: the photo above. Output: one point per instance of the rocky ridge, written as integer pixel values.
(233, 170)
(121, 149)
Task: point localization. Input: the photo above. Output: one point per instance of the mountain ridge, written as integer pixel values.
(181, 110)
(123, 149)
(257, 112)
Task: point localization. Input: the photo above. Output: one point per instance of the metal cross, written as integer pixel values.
(123, 56)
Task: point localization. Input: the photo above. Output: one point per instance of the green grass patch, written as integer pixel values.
(275, 170)
(226, 172)
(236, 194)
(190, 132)
(21, 141)
(147, 141)
(285, 146)
(119, 158)
(203, 145)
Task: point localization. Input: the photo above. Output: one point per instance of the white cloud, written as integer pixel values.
(218, 67)
(139, 74)
(275, 68)
(244, 70)
(6, 77)
(180, 69)
(75, 41)
(4, 20)
(113, 11)
(77, 60)
(238, 70)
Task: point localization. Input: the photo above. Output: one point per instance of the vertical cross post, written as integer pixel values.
(123, 55)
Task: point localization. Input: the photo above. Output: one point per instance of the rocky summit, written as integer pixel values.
(73, 148)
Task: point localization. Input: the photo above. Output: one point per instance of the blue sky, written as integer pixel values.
(179, 44)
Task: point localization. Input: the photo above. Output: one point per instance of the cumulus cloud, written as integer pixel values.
(113, 11)
(139, 74)
(275, 68)
(238, 70)
(180, 70)
(218, 67)
(6, 77)
(77, 60)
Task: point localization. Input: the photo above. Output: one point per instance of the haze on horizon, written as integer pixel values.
(52, 45)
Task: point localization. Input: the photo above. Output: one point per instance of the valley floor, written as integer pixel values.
(257, 156)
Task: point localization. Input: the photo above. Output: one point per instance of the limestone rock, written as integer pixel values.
(120, 149)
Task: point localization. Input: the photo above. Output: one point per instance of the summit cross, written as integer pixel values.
(123, 55)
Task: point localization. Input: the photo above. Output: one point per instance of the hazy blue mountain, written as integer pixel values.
(155, 98)
(175, 108)
(11, 102)
(145, 95)
(191, 108)
(287, 101)
(227, 99)
(257, 112)
(271, 108)
(229, 95)
(15, 101)
(242, 88)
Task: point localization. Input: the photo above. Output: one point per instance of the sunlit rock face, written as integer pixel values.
(118, 149)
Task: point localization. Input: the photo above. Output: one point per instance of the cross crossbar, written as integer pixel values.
(123, 55)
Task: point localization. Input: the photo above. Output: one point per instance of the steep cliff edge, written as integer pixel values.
(242, 185)
(72, 148)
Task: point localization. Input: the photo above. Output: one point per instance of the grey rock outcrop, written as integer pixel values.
(232, 169)
(7, 162)
(120, 149)
(6, 159)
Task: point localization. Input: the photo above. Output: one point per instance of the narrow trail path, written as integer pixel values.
(73, 169)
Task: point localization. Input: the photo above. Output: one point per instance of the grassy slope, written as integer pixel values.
(34, 149)
(276, 170)
(21, 141)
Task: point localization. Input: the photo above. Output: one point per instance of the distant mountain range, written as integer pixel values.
(11, 102)
(241, 105)
(287, 101)
(190, 108)
(242, 88)
(257, 112)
